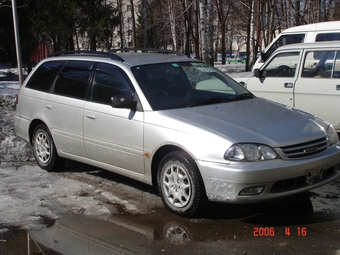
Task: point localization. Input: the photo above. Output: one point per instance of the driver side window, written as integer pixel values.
(109, 81)
(282, 65)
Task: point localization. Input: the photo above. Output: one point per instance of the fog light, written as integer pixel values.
(252, 191)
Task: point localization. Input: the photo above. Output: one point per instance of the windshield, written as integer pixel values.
(186, 84)
(281, 41)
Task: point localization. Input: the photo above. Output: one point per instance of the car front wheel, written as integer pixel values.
(180, 184)
(44, 150)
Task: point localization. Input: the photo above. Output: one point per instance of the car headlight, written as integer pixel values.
(332, 135)
(250, 152)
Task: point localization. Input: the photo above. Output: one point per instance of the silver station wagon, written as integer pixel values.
(173, 122)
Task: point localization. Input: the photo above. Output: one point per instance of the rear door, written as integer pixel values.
(278, 78)
(63, 109)
(113, 136)
(318, 89)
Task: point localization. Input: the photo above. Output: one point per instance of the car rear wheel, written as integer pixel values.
(180, 184)
(44, 150)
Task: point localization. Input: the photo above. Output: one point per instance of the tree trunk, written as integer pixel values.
(250, 45)
(210, 32)
(144, 23)
(187, 7)
(223, 25)
(197, 34)
(297, 18)
(134, 33)
(204, 36)
(172, 23)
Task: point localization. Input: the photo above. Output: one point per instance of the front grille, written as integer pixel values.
(301, 181)
(305, 149)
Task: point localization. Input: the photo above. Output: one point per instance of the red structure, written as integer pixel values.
(39, 53)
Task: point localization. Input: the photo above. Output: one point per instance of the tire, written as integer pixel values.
(44, 150)
(176, 233)
(180, 184)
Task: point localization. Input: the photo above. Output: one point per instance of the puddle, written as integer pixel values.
(315, 214)
(120, 234)
(18, 242)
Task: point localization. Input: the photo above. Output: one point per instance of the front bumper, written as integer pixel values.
(279, 178)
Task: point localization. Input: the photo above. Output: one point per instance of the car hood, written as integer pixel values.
(254, 120)
(241, 75)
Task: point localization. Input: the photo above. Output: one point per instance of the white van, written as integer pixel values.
(317, 32)
(305, 76)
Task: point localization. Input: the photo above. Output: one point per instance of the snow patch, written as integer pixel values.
(112, 198)
(29, 194)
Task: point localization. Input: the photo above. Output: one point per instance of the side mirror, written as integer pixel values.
(257, 73)
(264, 56)
(243, 84)
(123, 101)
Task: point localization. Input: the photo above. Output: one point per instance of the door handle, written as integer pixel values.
(48, 106)
(288, 85)
(337, 87)
(90, 116)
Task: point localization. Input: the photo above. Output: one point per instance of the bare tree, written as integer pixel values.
(187, 6)
(223, 9)
(133, 23)
(195, 32)
(171, 13)
(203, 20)
(206, 14)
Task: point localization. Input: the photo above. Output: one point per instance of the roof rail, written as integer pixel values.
(88, 53)
(148, 50)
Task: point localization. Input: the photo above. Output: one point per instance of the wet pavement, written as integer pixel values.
(308, 223)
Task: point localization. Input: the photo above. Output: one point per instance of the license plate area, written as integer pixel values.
(315, 174)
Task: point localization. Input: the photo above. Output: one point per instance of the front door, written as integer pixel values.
(113, 136)
(278, 78)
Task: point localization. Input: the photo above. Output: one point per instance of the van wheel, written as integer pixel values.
(179, 184)
(44, 150)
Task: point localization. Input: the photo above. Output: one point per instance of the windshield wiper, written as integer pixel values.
(217, 100)
(214, 100)
(242, 96)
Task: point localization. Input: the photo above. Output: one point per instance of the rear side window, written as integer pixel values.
(319, 64)
(73, 79)
(336, 73)
(327, 37)
(43, 78)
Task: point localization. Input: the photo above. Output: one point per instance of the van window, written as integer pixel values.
(282, 65)
(327, 37)
(336, 72)
(73, 79)
(283, 40)
(44, 76)
(109, 81)
(318, 64)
